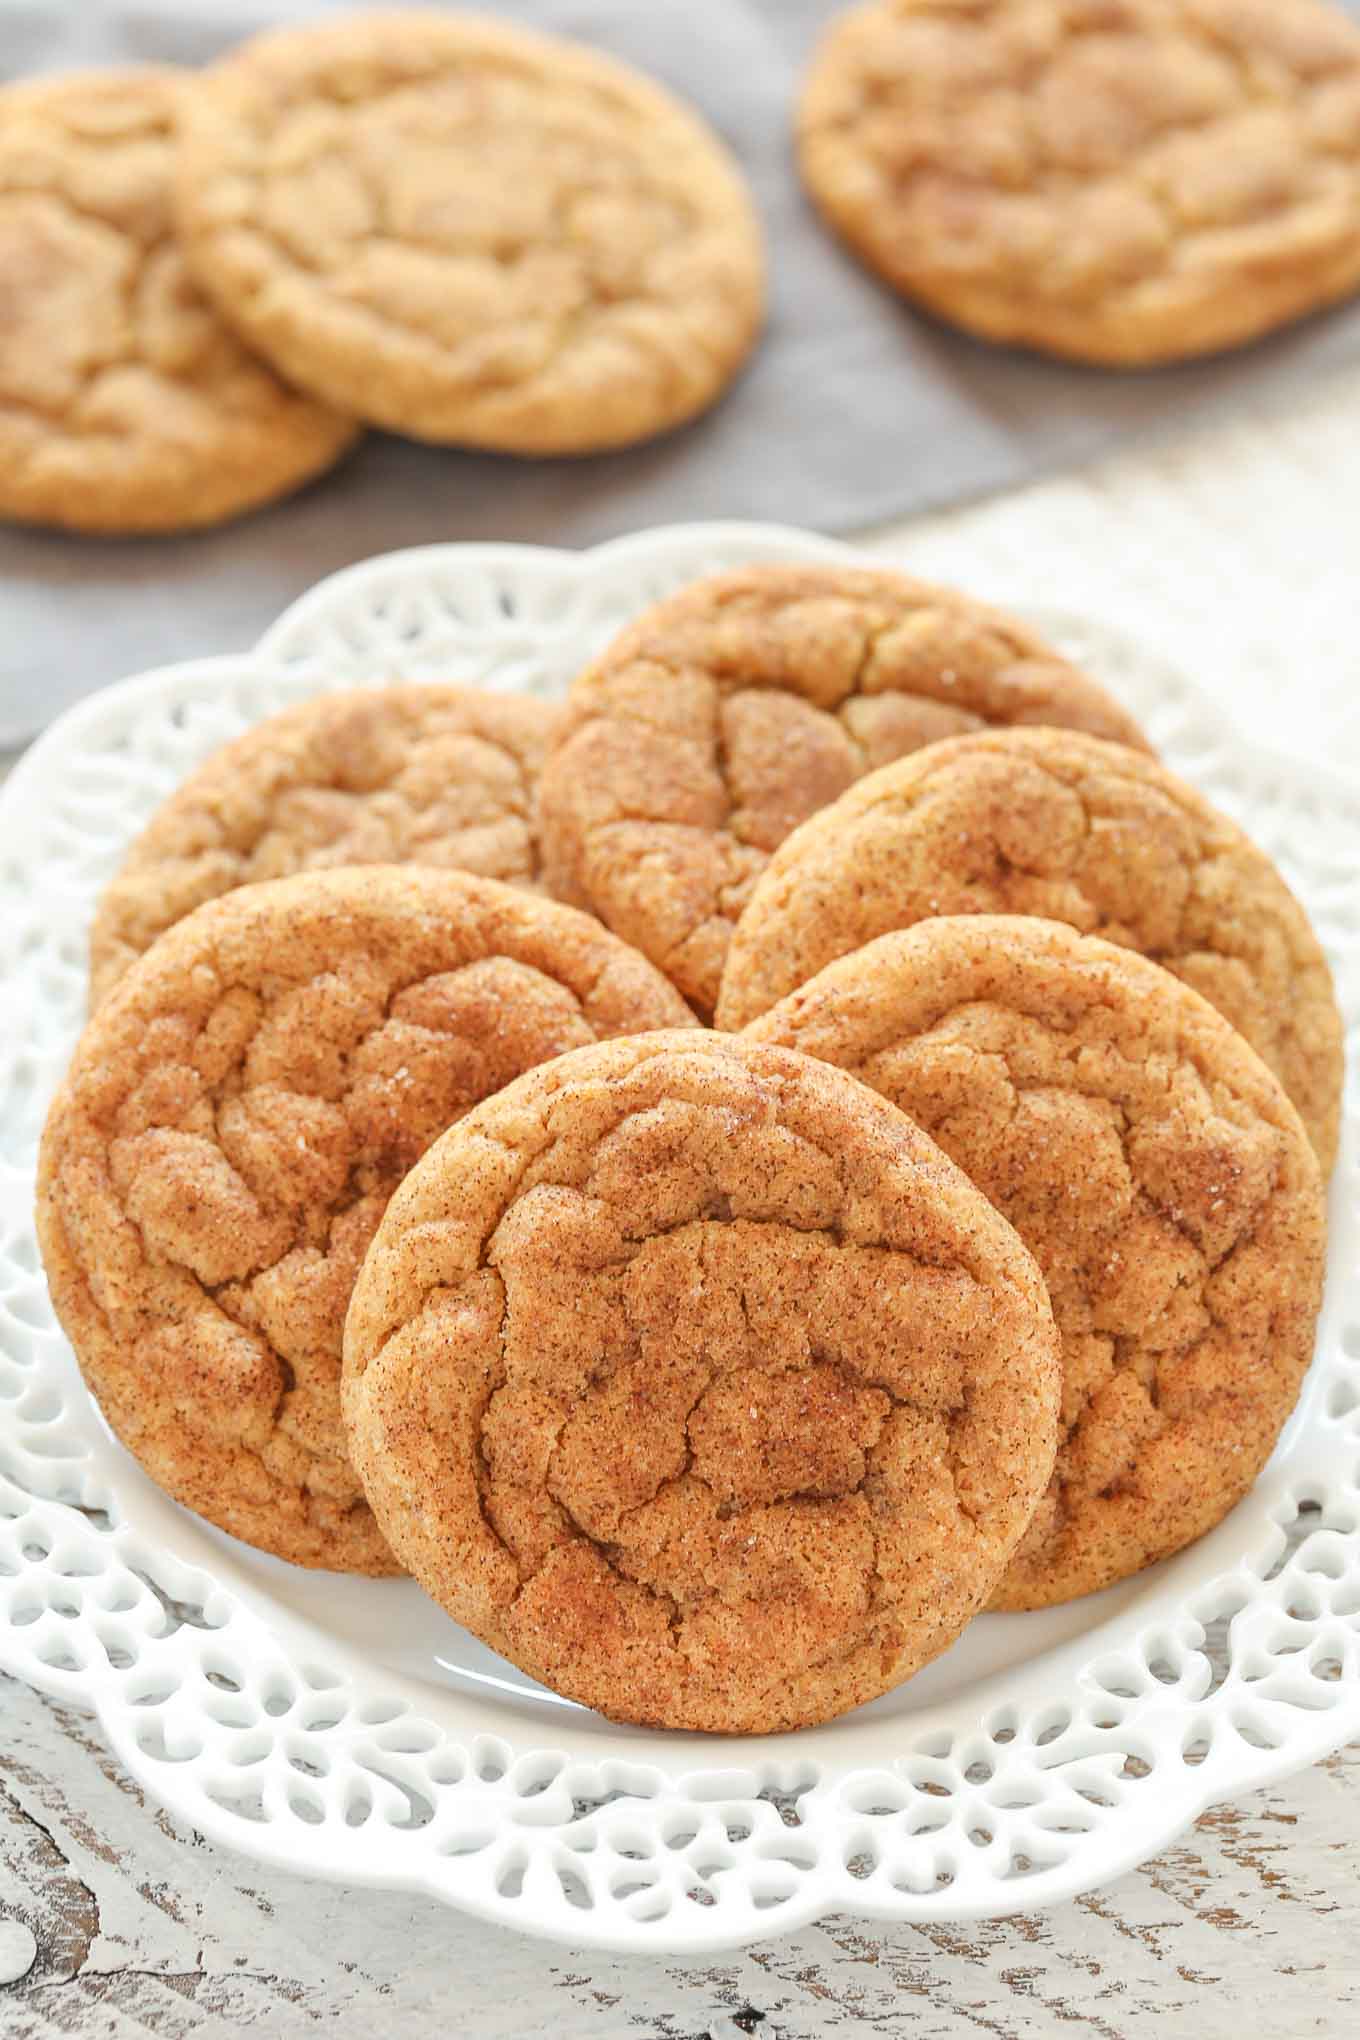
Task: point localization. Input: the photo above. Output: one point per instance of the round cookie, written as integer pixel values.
(1159, 1175)
(235, 1118)
(1117, 181)
(725, 716)
(125, 404)
(391, 775)
(471, 233)
(1064, 826)
(693, 1378)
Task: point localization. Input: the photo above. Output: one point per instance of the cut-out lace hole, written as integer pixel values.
(153, 1742)
(879, 1798)
(153, 1691)
(321, 1718)
(1258, 1734)
(311, 1763)
(1022, 1865)
(1048, 1727)
(575, 1890)
(60, 1657)
(785, 1803)
(247, 1804)
(407, 1805)
(533, 1775)
(376, 1713)
(772, 1884)
(468, 1841)
(631, 1883)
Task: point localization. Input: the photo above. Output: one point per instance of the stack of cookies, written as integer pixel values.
(438, 223)
(455, 228)
(818, 1136)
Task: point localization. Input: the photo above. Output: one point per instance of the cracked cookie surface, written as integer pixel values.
(725, 716)
(125, 403)
(470, 232)
(234, 1120)
(1159, 1175)
(1119, 181)
(1064, 826)
(423, 775)
(693, 1378)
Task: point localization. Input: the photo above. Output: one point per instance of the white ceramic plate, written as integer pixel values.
(348, 1729)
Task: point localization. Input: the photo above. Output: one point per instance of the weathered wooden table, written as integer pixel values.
(1235, 553)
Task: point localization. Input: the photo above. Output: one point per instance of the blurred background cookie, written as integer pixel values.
(234, 1120)
(125, 403)
(725, 716)
(1054, 823)
(1118, 181)
(692, 1377)
(1158, 1174)
(385, 775)
(470, 232)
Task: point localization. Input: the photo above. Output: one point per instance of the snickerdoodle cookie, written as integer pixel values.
(470, 232)
(390, 775)
(236, 1116)
(724, 717)
(1158, 1173)
(694, 1378)
(1052, 823)
(125, 404)
(1118, 181)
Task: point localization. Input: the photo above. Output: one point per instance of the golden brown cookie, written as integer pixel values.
(387, 775)
(1159, 1175)
(724, 717)
(471, 233)
(1052, 823)
(1117, 181)
(693, 1378)
(236, 1116)
(125, 404)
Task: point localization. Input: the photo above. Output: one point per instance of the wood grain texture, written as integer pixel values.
(1250, 1927)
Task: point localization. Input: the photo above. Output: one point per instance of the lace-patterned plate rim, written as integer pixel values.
(1014, 1773)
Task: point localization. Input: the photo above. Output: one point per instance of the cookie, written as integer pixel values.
(389, 775)
(1157, 1172)
(724, 717)
(693, 1378)
(1064, 826)
(1117, 181)
(236, 1116)
(471, 233)
(125, 403)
